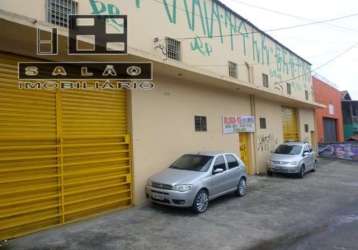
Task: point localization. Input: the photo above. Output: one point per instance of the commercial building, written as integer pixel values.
(329, 120)
(68, 154)
(350, 116)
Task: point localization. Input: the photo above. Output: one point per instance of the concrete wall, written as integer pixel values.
(306, 116)
(213, 35)
(327, 95)
(267, 139)
(163, 124)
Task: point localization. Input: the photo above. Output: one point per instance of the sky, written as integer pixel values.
(317, 43)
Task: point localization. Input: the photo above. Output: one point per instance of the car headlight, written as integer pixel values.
(293, 163)
(149, 182)
(182, 187)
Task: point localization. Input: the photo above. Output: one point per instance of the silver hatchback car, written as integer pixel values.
(292, 158)
(195, 179)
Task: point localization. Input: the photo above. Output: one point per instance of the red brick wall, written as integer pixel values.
(326, 94)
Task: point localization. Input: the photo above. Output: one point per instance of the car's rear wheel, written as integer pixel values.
(301, 174)
(241, 188)
(201, 202)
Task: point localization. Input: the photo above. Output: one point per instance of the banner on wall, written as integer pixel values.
(235, 124)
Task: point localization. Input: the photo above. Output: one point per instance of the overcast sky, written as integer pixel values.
(316, 43)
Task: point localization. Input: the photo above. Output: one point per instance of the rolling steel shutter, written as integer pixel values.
(64, 155)
(290, 124)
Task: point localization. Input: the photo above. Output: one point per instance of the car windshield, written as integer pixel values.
(288, 150)
(200, 163)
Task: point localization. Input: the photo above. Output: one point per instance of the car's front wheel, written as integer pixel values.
(241, 188)
(201, 202)
(301, 174)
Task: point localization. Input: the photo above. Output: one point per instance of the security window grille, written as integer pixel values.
(58, 11)
(173, 49)
(306, 128)
(306, 94)
(289, 91)
(262, 123)
(233, 69)
(200, 123)
(265, 80)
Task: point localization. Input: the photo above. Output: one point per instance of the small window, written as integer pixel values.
(200, 123)
(265, 80)
(231, 161)
(220, 163)
(58, 11)
(262, 123)
(307, 128)
(248, 72)
(306, 94)
(173, 49)
(289, 91)
(233, 69)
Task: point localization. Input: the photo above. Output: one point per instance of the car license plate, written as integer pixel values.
(158, 196)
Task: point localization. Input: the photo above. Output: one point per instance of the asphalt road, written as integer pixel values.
(317, 212)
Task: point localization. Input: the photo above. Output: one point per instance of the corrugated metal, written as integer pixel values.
(64, 155)
(290, 124)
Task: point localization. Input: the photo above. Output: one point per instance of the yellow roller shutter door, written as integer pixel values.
(290, 124)
(64, 155)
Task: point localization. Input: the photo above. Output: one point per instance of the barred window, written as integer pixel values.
(265, 80)
(200, 123)
(173, 48)
(233, 69)
(289, 91)
(262, 123)
(306, 128)
(306, 94)
(58, 11)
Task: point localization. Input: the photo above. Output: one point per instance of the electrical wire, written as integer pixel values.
(298, 76)
(287, 14)
(323, 64)
(273, 30)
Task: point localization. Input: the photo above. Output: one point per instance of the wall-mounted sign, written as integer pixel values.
(230, 124)
(235, 124)
(247, 124)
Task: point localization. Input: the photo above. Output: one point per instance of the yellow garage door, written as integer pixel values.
(64, 155)
(290, 125)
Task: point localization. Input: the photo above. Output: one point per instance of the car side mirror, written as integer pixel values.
(305, 154)
(218, 171)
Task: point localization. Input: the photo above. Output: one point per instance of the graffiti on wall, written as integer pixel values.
(266, 143)
(209, 21)
(346, 151)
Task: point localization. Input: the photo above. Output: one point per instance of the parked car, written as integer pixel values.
(293, 158)
(195, 179)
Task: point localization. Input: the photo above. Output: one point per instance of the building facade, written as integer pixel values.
(85, 152)
(350, 116)
(329, 120)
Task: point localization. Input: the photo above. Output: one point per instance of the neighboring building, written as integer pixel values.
(74, 153)
(350, 116)
(329, 120)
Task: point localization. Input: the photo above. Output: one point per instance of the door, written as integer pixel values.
(290, 124)
(330, 130)
(308, 158)
(218, 182)
(234, 171)
(244, 139)
(64, 155)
